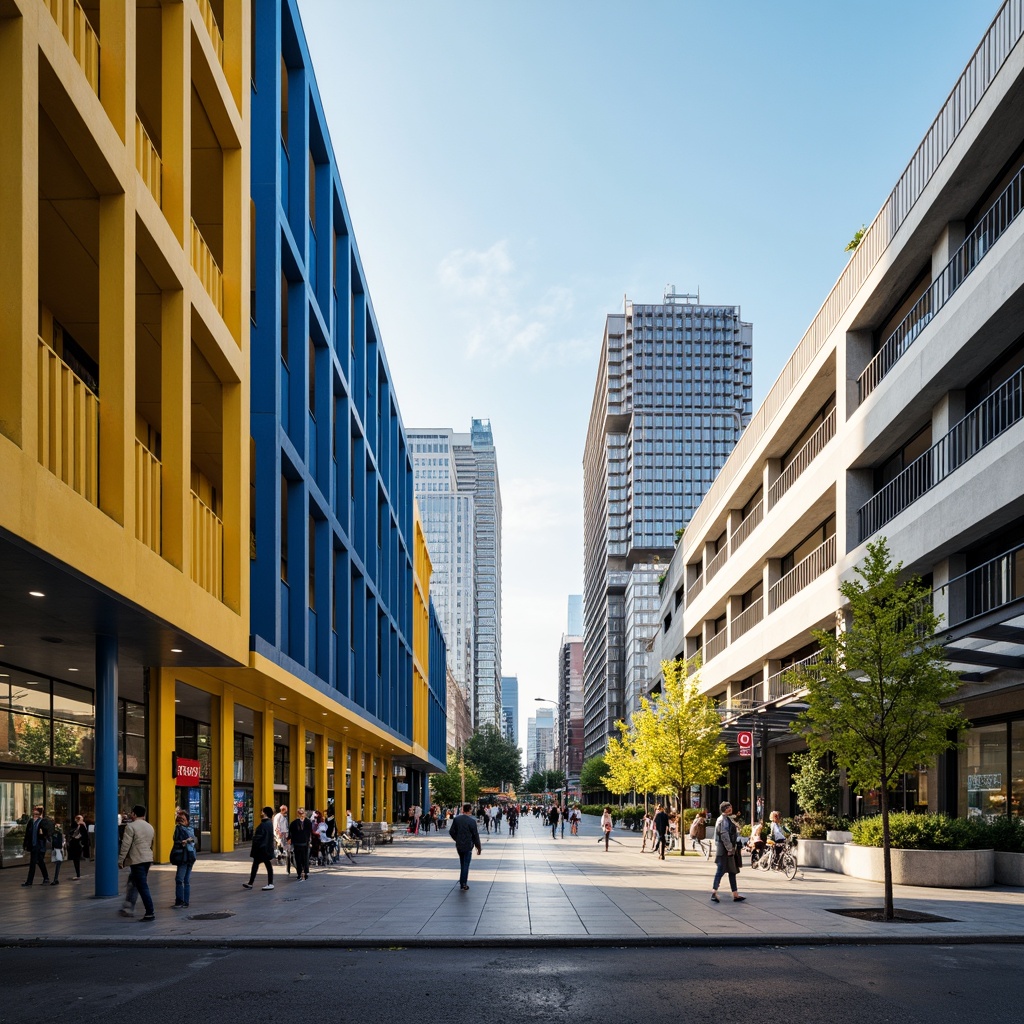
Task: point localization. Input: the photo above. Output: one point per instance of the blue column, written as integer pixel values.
(105, 838)
(424, 800)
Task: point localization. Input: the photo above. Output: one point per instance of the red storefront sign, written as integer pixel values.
(745, 740)
(187, 772)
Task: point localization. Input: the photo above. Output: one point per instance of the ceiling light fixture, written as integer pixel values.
(72, 669)
(36, 593)
(175, 650)
(177, 700)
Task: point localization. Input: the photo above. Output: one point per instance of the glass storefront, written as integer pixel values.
(992, 770)
(244, 813)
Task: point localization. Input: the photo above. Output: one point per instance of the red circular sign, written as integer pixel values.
(744, 739)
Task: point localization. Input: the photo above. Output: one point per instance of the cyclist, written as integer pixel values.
(778, 836)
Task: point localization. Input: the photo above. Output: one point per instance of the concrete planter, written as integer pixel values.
(1010, 868)
(809, 852)
(938, 869)
(839, 837)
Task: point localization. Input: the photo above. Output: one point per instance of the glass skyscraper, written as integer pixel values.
(673, 395)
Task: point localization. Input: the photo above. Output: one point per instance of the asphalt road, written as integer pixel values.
(862, 984)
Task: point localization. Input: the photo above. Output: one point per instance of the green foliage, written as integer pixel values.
(592, 773)
(498, 761)
(32, 744)
(535, 783)
(852, 244)
(545, 782)
(878, 697)
(926, 832)
(816, 787)
(1007, 835)
(815, 824)
(446, 787)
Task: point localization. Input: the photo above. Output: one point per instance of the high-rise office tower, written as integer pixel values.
(570, 702)
(575, 626)
(455, 477)
(673, 394)
(510, 708)
(540, 741)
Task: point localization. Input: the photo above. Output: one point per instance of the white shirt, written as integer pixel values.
(280, 824)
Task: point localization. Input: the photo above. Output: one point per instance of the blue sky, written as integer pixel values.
(514, 169)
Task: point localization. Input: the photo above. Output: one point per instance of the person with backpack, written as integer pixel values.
(183, 856)
(262, 850)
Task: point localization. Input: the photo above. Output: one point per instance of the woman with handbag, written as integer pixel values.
(183, 856)
(78, 844)
(727, 853)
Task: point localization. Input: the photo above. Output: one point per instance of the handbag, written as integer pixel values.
(177, 855)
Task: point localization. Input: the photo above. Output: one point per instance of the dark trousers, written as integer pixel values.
(554, 829)
(465, 857)
(76, 859)
(139, 874)
(268, 864)
(37, 858)
(301, 854)
(725, 868)
(659, 845)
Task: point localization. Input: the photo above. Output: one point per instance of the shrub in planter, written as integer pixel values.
(924, 832)
(1007, 835)
(812, 825)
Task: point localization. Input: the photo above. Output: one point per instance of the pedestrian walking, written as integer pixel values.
(281, 837)
(183, 856)
(606, 827)
(58, 852)
(300, 835)
(37, 839)
(262, 850)
(136, 854)
(553, 817)
(699, 829)
(574, 821)
(660, 828)
(467, 836)
(727, 853)
(78, 844)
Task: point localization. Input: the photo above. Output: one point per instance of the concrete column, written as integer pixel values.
(733, 608)
(951, 238)
(341, 802)
(732, 524)
(859, 348)
(263, 758)
(175, 430)
(176, 117)
(117, 66)
(770, 473)
(19, 233)
(106, 844)
(770, 667)
(297, 768)
(771, 574)
(950, 601)
(859, 486)
(948, 411)
(320, 772)
(223, 795)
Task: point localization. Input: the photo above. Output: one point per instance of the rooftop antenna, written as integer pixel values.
(672, 297)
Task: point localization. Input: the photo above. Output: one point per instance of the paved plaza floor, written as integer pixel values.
(528, 890)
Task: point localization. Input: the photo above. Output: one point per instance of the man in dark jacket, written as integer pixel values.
(37, 840)
(467, 836)
(262, 850)
(661, 827)
(300, 835)
(553, 816)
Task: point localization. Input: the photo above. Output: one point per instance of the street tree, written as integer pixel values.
(498, 761)
(677, 735)
(592, 774)
(446, 787)
(878, 697)
(815, 786)
(535, 783)
(628, 767)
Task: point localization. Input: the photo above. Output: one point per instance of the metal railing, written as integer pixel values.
(68, 425)
(994, 584)
(78, 32)
(747, 527)
(982, 425)
(148, 162)
(207, 268)
(807, 454)
(147, 496)
(1000, 215)
(1000, 39)
(694, 588)
(716, 563)
(782, 684)
(803, 574)
(716, 645)
(207, 548)
(210, 21)
(747, 619)
(748, 698)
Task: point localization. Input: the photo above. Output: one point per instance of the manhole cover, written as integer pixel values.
(219, 915)
(900, 916)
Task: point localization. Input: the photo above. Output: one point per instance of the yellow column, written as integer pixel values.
(117, 66)
(357, 783)
(320, 776)
(223, 796)
(160, 780)
(117, 358)
(175, 430)
(19, 232)
(236, 28)
(341, 803)
(235, 465)
(263, 761)
(387, 814)
(176, 111)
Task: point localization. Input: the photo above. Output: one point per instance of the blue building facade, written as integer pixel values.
(332, 496)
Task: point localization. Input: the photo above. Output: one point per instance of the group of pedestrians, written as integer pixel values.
(42, 834)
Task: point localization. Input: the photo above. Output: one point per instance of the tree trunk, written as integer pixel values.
(888, 914)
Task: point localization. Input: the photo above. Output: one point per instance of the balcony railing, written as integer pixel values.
(716, 563)
(982, 425)
(1002, 36)
(803, 574)
(69, 422)
(803, 459)
(782, 684)
(716, 645)
(992, 585)
(75, 28)
(694, 588)
(747, 527)
(207, 268)
(748, 618)
(1000, 215)
(748, 698)
(147, 161)
(207, 548)
(210, 20)
(147, 496)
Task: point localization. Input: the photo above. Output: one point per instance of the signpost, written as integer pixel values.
(745, 740)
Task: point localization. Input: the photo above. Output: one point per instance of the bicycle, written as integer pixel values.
(778, 857)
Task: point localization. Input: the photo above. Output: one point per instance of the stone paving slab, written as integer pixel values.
(529, 890)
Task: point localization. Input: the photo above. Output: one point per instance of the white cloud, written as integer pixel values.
(539, 505)
(503, 317)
